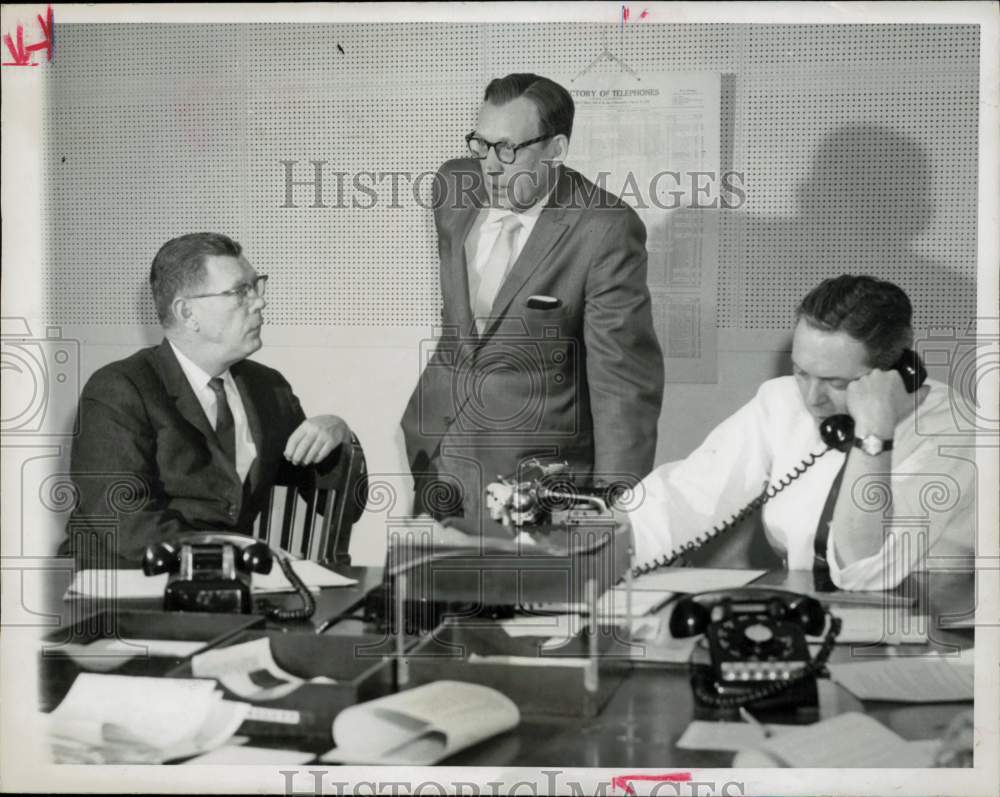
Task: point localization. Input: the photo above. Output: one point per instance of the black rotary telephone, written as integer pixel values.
(837, 432)
(757, 646)
(212, 572)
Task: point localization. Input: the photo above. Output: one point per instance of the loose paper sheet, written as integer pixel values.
(847, 740)
(730, 736)
(249, 670)
(934, 679)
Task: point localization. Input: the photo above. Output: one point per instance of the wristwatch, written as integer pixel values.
(873, 445)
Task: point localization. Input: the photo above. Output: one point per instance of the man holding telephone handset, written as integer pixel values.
(860, 501)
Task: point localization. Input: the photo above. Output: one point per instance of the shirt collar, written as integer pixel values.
(197, 378)
(528, 217)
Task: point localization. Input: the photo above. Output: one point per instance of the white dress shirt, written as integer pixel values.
(932, 503)
(485, 231)
(246, 449)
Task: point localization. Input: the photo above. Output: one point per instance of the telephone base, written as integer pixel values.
(230, 596)
(802, 694)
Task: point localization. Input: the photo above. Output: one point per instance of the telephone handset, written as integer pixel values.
(837, 432)
(212, 571)
(757, 646)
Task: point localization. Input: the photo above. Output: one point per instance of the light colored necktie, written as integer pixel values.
(495, 269)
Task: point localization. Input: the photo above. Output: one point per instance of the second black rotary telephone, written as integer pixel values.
(757, 646)
(212, 572)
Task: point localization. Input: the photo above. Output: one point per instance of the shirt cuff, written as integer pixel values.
(883, 570)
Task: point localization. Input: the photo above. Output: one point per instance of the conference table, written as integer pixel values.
(650, 704)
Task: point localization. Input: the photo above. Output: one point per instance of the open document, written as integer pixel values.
(420, 726)
(249, 670)
(120, 719)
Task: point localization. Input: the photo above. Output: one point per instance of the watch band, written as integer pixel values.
(869, 442)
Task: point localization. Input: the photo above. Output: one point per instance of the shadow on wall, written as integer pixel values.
(867, 199)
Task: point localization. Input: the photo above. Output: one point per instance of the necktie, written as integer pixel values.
(225, 428)
(821, 568)
(495, 269)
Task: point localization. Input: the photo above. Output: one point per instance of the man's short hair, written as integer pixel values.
(872, 311)
(179, 267)
(555, 104)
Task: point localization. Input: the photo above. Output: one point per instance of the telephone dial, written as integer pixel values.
(837, 432)
(212, 572)
(757, 646)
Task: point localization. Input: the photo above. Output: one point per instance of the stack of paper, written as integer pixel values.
(420, 726)
(134, 584)
(120, 719)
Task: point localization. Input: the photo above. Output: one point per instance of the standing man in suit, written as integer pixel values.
(187, 435)
(547, 346)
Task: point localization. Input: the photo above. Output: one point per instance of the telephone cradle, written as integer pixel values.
(212, 572)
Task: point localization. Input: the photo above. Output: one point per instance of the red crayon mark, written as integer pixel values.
(624, 782)
(25, 55)
(627, 12)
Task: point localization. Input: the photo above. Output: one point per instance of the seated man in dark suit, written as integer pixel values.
(188, 435)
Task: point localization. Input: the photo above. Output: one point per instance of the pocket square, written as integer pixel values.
(538, 302)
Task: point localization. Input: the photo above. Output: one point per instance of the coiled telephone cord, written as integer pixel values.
(308, 601)
(766, 495)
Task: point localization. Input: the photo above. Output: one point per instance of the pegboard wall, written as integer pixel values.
(858, 146)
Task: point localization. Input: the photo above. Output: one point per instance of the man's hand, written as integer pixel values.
(315, 438)
(878, 401)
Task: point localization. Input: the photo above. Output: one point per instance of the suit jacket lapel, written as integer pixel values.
(179, 388)
(185, 400)
(548, 230)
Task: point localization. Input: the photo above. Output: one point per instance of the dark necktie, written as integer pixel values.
(225, 428)
(821, 568)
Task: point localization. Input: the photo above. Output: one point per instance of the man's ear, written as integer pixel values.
(184, 314)
(560, 149)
